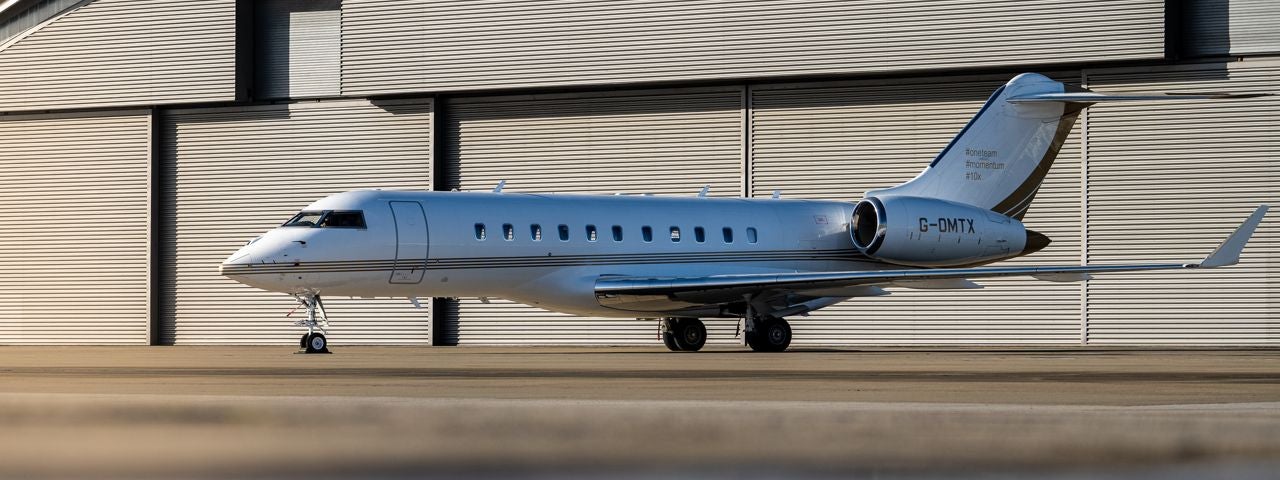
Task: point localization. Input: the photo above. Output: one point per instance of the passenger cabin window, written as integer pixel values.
(591, 233)
(564, 233)
(728, 235)
(751, 235)
(675, 234)
(699, 235)
(508, 232)
(480, 234)
(535, 232)
(617, 233)
(646, 233)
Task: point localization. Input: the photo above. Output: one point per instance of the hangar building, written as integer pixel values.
(142, 141)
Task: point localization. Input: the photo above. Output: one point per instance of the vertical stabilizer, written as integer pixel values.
(999, 159)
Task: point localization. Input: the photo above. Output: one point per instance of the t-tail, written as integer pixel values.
(966, 207)
(1000, 158)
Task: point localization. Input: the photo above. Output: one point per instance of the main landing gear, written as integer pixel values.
(768, 334)
(314, 340)
(683, 334)
(765, 334)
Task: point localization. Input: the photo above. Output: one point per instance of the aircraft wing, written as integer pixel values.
(620, 290)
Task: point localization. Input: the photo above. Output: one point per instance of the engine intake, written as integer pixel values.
(927, 232)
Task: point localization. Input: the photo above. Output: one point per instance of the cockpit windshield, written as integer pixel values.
(327, 219)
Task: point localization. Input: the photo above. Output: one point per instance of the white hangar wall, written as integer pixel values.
(634, 142)
(816, 99)
(231, 174)
(1166, 183)
(123, 52)
(75, 242)
(440, 45)
(836, 141)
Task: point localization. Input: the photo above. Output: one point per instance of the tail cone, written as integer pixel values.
(1036, 241)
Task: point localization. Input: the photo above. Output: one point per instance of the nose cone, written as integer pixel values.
(237, 265)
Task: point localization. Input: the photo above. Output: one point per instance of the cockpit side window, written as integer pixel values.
(305, 219)
(349, 219)
(327, 219)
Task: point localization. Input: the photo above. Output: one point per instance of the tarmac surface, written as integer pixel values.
(443, 412)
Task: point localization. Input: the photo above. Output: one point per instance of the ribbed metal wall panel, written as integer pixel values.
(837, 141)
(438, 45)
(74, 247)
(1167, 182)
(232, 174)
(1235, 27)
(123, 52)
(661, 142)
(298, 48)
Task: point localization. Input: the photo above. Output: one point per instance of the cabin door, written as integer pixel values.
(411, 242)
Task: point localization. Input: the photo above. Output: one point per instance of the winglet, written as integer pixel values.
(1228, 253)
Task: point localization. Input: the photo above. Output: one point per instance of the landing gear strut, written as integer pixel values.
(314, 340)
(683, 334)
(770, 334)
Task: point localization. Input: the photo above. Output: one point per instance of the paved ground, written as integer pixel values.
(645, 413)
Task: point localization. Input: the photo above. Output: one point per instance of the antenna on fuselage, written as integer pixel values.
(705, 189)
(777, 194)
(498, 188)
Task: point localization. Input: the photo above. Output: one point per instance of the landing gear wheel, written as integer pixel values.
(669, 339)
(770, 335)
(689, 334)
(302, 343)
(316, 343)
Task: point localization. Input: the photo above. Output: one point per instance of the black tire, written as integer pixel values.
(770, 335)
(302, 343)
(690, 334)
(316, 343)
(669, 339)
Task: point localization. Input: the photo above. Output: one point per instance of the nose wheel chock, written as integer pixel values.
(315, 322)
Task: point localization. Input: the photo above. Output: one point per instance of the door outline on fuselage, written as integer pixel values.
(411, 260)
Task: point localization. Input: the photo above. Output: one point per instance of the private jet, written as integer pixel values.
(677, 260)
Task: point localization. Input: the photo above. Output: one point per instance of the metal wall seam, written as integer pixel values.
(297, 153)
(74, 268)
(836, 140)
(1167, 182)
(1084, 214)
(440, 46)
(109, 53)
(651, 141)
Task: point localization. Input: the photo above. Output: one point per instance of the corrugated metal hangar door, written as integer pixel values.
(1166, 183)
(74, 247)
(231, 174)
(836, 141)
(123, 52)
(395, 46)
(661, 142)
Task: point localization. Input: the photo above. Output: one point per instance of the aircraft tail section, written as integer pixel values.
(1000, 158)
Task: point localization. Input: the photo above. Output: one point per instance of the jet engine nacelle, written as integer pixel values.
(927, 232)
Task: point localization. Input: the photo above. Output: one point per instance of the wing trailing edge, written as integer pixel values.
(614, 291)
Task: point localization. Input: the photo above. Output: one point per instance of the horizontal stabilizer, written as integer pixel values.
(1094, 97)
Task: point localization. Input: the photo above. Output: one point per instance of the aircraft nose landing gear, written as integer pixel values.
(314, 340)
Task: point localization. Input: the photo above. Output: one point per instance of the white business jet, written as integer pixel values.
(678, 259)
